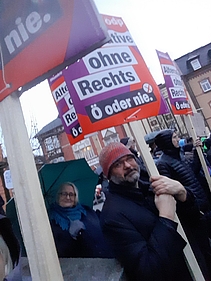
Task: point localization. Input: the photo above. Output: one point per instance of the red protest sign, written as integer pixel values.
(174, 85)
(112, 85)
(66, 108)
(40, 38)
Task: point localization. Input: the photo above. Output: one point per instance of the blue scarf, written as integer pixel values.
(63, 216)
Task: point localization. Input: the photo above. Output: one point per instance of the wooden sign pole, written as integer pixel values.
(194, 268)
(37, 235)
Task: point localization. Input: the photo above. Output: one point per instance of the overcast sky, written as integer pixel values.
(176, 27)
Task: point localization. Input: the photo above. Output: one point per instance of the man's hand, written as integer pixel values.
(166, 206)
(165, 185)
(197, 143)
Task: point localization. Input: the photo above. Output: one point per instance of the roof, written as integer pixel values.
(50, 126)
(203, 54)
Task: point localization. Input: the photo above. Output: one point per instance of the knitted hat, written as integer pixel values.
(110, 154)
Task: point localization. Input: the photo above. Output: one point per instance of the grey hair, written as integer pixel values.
(62, 186)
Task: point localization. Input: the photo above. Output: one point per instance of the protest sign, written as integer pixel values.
(179, 101)
(112, 85)
(66, 108)
(174, 85)
(40, 38)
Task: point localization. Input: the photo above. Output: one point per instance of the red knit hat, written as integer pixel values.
(110, 154)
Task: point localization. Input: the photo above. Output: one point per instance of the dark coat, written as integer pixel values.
(2, 212)
(174, 165)
(12, 243)
(207, 142)
(89, 244)
(149, 247)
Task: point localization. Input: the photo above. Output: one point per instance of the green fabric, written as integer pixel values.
(51, 176)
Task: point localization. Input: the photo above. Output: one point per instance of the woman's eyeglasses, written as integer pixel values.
(65, 194)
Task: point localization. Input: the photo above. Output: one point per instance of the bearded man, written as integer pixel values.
(141, 228)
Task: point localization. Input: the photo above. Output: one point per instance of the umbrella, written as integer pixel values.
(51, 176)
(149, 138)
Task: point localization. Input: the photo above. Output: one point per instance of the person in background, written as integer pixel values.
(188, 149)
(76, 228)
(174, 165)
(207, 142)
(101, 179)
(141, 229)
(9, 252)
(155, 152)
(130, 143)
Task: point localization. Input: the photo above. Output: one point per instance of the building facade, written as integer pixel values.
(195, 68)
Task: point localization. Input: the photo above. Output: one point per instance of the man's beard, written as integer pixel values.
(130, 178)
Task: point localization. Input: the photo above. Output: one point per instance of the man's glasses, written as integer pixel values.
(65, 194)
(120, 163)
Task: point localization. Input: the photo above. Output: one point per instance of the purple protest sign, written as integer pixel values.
(113, 85)
(174, 85)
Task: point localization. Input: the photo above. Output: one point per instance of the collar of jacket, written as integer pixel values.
(176, 152)
(126, 191)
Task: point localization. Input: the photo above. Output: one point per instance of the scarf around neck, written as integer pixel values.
(64, 216)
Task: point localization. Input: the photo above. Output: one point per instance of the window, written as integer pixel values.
(195, 64)
(49, 144)
(168, 117)
(83, 149)
(205, 85)
(53, 147)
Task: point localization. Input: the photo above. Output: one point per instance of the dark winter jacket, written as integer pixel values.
(89, 244)
(149, 247)
(2, 212)
(207, 142)
(174, 165)
(12, 243)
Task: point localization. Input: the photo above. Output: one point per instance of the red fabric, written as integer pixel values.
(110, 154)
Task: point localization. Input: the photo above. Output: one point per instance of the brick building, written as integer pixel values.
(196, 74)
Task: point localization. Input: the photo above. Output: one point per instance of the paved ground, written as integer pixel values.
(78, 269)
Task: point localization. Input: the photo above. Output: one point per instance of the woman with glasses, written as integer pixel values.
(76, 228)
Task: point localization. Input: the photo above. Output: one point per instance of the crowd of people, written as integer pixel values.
(137, 224)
